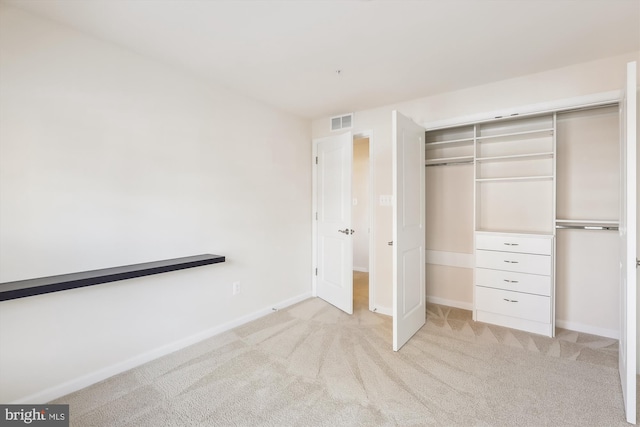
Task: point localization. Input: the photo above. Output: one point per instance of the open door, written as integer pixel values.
(334, 251)
(627, 351)
(409, 292)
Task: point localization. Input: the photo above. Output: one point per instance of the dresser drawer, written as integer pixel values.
(514, 243)
(511, 281)
(514, 304)
(520, 263)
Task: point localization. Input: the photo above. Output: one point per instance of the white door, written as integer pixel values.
(409, 292)
(627, 352)
(334, 252)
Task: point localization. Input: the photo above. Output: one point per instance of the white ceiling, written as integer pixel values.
(286, 53)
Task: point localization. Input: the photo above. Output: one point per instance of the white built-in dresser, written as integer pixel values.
(514, 280)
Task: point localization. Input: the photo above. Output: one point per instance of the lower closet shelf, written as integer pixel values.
(515, 323)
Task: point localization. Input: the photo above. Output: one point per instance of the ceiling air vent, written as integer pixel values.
(342, 122)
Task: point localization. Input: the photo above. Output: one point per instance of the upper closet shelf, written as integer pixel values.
(587, 224)
(516, 178)
(522, 134)
(448, 161)
(452, 142)
(588, 221)
(546, 155)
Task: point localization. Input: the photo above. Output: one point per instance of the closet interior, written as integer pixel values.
(532, 202)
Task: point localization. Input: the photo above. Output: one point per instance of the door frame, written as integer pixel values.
(371, 210)
(371, 214)
(627, 347)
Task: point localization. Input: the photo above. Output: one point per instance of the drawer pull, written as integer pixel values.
(512, 244)
(510, 281)
(510, 300)
(511, 262)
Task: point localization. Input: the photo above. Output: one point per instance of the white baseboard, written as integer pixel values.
(451, 259)
(450, 303)
(361, 269)
(76, 384)
(588, 329)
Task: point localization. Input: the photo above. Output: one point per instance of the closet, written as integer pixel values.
(588, 210)
(533, 200)
(449, 216)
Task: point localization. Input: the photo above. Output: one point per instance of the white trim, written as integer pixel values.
(450, 303)
(451, 259)
(476, 213)
(360, 269)
(554, 213)
(76, 384)
(627, 348)
(314, 221)
(371, 210)
(584, 101)
(588, 329)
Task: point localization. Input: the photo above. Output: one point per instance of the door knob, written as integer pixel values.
(347, 231)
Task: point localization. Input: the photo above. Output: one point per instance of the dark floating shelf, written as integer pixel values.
(45, 285)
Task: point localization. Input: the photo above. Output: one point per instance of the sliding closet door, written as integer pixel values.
(628, 279)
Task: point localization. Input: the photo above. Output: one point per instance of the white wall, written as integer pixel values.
(569, 82)
(108, 158)
(360, 211)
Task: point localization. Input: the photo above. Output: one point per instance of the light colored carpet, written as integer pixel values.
(312, 365)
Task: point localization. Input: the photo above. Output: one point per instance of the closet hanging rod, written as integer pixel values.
(466, 162)
(589, 227)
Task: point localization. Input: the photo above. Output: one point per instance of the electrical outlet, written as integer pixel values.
(236, 288)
